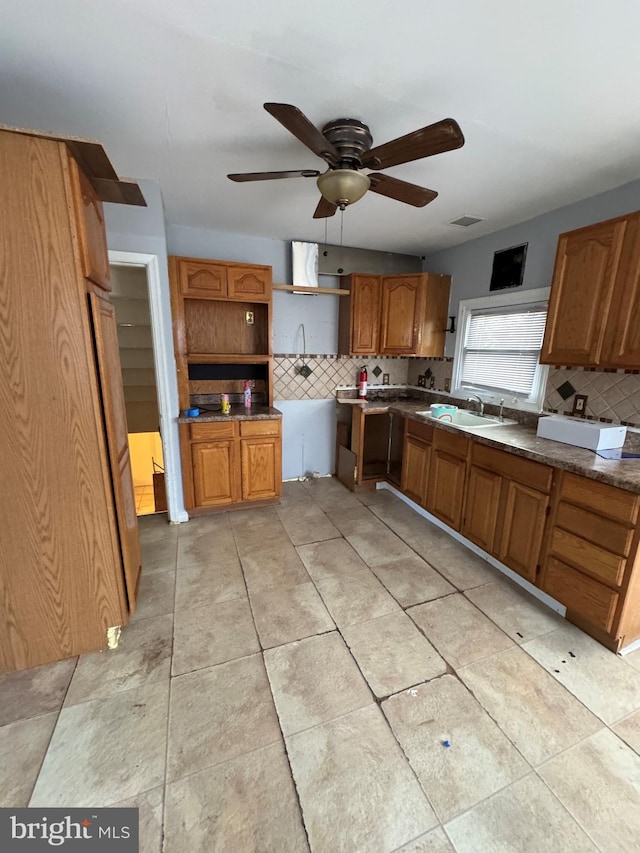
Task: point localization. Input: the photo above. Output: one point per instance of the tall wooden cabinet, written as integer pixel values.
(222, 326)
(394, 315)
(69, 550)
(595, 297)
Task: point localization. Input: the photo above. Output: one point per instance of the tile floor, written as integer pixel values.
(145, 503)
(334, 674)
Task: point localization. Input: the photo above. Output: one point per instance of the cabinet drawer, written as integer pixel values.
(582, 595)
(596, 561)
(514, 467)
(420, 430)
(450, 442)
(270, 427)
(602, 499)
(214, 430)
(605, 532)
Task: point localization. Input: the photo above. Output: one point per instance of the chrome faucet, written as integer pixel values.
(501, 416)
(475, 398)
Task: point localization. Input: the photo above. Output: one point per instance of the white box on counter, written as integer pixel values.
(590, 434)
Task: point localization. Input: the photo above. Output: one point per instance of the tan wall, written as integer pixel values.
(143, 447)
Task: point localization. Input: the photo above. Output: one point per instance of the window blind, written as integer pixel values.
(502, 349)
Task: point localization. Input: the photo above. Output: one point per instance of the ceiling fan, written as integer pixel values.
(345, 145)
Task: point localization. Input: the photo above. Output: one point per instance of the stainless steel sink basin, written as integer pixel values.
(462, 419)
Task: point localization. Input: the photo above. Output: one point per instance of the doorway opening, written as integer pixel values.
(130, 299)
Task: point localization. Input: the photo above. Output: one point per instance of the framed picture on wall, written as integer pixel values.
(508, 267)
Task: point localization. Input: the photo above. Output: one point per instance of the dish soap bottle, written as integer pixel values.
(247, 393)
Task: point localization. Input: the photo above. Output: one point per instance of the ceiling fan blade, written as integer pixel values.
(436, 138)
(325, 208)
(273, 176)
(401, 190)
(299, 125)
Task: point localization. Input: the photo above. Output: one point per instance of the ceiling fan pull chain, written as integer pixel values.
(341, 226)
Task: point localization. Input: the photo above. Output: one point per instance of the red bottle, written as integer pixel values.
(362, 384)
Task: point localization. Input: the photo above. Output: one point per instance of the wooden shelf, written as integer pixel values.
(226, 358)
(291, 288)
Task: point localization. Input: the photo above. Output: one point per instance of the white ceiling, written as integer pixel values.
(546, 93)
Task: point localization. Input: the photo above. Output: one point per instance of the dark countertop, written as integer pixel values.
(238, 413)
(523, 441)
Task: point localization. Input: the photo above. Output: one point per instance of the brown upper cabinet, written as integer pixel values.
(394, 315)
(595, 297)
(217, 280)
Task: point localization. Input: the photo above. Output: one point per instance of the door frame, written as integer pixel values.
(166, 382)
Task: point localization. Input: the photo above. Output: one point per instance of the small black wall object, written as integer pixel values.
(508, 267)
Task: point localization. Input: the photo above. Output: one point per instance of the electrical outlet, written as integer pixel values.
(579, 404)
(249, 318)
(385, 378)
(422, 381)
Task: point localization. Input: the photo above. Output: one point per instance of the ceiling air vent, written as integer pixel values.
(466, 221)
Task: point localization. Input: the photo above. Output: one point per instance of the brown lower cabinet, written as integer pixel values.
(447, 472)
(229, 462)
(575, 538)
(592, 558)
(506, 507)
(416, 460)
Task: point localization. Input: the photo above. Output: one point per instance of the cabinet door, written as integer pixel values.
(249, 284)
(586, 266)
(261, 468)
(622, 337)
(91, 227)
(523, 526)
(365, 314)
(415, 469)
(434, 319)
(446, 487)
(203, 279)
(115, 421)
(400, 304)
(481, 507)
(215, 472)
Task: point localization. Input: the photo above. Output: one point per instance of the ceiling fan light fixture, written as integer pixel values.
(343, 186)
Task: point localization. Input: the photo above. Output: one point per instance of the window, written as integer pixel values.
(498, 348)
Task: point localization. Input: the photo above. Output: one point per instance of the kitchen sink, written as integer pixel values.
(470, 420)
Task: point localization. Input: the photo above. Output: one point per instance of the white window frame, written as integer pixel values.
(535, 400)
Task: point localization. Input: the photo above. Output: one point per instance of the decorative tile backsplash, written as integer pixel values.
(329, 372)
(436, 369)
(613, 396)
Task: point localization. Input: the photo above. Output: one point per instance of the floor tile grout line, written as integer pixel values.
(579, 743)
(53, 730)
(567, 810)
(411, 548)
(275, 708)
(523, 646)
(222, 763)
(169, 693)
(375, 701)
(531, 772)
